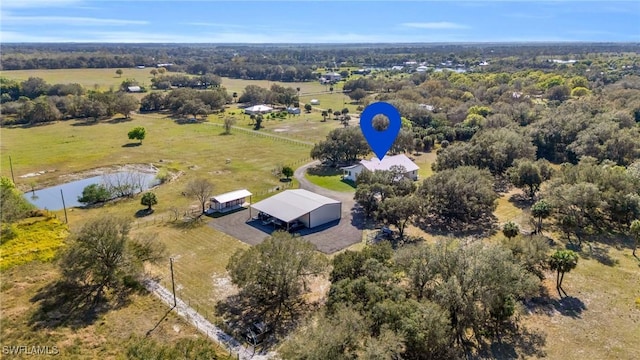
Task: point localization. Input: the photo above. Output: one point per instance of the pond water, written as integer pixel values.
(50, 198)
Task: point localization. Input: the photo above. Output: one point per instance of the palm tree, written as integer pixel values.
(324, 115)
(562, 261)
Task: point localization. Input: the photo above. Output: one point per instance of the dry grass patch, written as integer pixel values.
(599, 320)
(105, 338)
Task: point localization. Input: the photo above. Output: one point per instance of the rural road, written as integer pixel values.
(203, 325)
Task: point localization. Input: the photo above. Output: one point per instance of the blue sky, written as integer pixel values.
(206, 21)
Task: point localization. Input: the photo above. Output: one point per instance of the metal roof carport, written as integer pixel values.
(299, 204)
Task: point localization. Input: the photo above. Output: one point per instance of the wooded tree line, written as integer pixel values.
(66, 56)
(34, 101)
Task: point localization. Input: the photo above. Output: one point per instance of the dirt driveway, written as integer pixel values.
(327, 238)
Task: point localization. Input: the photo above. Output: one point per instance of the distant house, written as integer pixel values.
(258, 109)
(422, 68)
(314, 102)
(134, 89)
(397, 68)
(140, 66)
(330, 77)
(229, 201)
(293, 110)
(352, 172)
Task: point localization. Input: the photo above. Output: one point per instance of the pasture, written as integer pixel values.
(91, 79)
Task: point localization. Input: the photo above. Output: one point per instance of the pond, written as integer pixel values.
(51, 199)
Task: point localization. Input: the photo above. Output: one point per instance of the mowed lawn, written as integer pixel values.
(102, 79)
(304, 127)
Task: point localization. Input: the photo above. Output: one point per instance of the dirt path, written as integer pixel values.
(203, 325)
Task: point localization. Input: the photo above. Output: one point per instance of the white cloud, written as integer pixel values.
(67, 20)
(22, 4)
(440, 25)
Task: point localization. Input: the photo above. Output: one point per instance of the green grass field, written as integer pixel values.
(330, 179)
(102, 79)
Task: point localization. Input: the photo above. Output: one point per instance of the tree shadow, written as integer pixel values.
(517, 342)
(545, 304)
(119, 120)
(128, 145)
(521, 201)
(144, 212)
(484, 227)
(242, 310)
(594, 251)
(182, 121)
(64, 304)
(85, 122)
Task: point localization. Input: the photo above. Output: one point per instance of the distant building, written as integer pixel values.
(411, 169)
(397, 67)
(140, 66)
(293, 110)
(422, 68)
(330, 77)
(258, 109)
(314, 102)
(134, 89)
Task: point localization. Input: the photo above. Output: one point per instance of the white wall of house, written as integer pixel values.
(352, 174)
(325, 214)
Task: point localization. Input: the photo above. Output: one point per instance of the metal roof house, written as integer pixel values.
(352, 172)
(300, 205)
(229, 201)
(258, 109)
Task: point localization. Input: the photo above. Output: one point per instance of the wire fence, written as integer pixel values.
(267, 135)
(204, 304)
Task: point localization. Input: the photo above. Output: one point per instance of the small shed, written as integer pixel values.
(230, 201)
(293, 110)
(314, 102)
(134, 89)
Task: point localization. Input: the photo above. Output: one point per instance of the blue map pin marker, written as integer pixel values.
(380, 141)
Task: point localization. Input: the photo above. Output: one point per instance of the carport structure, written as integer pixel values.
(302, 205)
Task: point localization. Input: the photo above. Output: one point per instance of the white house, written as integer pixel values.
(330, 77)
(352, 172)
(258, 109)
(134, 89)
